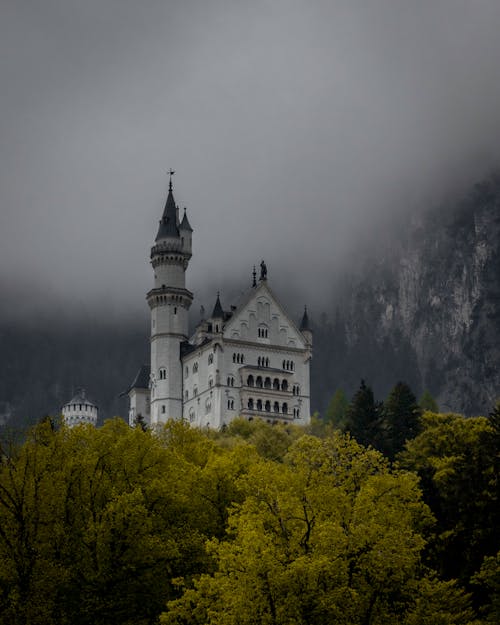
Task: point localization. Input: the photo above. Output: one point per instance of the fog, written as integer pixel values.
(298, 130)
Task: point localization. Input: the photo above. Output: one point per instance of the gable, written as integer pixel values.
(262, 319)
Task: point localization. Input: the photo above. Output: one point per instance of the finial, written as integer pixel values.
(254, 274)
(171, 173)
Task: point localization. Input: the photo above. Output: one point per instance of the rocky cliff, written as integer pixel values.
(427, 310)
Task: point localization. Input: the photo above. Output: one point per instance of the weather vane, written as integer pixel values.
(171, 173)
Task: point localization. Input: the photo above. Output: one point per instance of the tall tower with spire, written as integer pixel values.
(169, 301)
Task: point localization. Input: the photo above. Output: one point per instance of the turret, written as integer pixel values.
(169, 301)
(305, 328)
(79, 410)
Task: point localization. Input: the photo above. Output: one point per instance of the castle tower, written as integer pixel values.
(79, 410)
(169, 301)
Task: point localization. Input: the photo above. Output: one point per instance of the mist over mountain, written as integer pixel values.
(425, 308)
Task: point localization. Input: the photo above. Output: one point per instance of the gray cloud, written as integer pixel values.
(295, 127)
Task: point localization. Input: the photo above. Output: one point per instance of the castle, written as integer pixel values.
(251, 361)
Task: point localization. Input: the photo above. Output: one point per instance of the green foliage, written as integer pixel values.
(257, 524)
(336, 412)
(401, 419)
(364, 417)
(331, 536)
(488, 580)
(427, 402)
(457, 460)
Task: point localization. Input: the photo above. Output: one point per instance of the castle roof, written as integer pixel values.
(168, 223)
(304, 324)
(142, 378)
(218, 312)
(81, 398)
(185, 225)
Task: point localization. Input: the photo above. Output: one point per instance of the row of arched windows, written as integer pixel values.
(288, 365)
(266, 406)
(261, 382)
(262, 362)
(162, 373)
(296, 389)
(230, 404)
(239, 358)
(230, 381)
(262, 333)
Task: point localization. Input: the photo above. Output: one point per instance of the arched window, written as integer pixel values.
(195, 391)
(284, 408)
(267, 383)
(276, 384)
(258, 361)
(268, 406)
(234, 357)
(250, 404)
(195, 367)
(258, 381)
(267, 362)
(276, 407)
(163, 409)
(250, 380)
(259, 404)
(284, 385)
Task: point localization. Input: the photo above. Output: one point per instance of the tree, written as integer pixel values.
(457, 460)
(401, 418)
(336, 412)
(364, 417)
(427, 402)
(331, 536)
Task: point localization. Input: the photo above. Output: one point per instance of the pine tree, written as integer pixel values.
(363, 417)
(401, 418)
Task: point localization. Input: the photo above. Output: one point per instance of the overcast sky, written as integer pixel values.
(294, 126)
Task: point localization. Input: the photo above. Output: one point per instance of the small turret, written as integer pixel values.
(79, 410)
(305, 328)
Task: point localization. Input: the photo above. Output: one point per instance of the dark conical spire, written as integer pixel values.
(168, 222)
(218, 313)
(185, 225)
(304, 324)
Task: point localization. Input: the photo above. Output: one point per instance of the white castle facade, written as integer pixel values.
(251, 361)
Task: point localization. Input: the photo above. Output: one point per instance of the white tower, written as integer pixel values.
(79, 410)
(169, 301)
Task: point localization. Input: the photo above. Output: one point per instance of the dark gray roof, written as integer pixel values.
(142, 378)
(185, 225)
(304, 324)
(218, 313)
(81, 398)
(168, 222)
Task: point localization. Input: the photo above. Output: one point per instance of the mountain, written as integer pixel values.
(426, 310)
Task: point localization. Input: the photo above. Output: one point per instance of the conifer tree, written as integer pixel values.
(363, 417)
(401, 418)
(337, 409)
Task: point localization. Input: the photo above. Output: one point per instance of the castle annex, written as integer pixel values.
(250, 361)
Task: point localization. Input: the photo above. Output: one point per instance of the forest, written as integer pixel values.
(349, 521)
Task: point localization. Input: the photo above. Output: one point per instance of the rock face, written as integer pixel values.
(429, 311)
